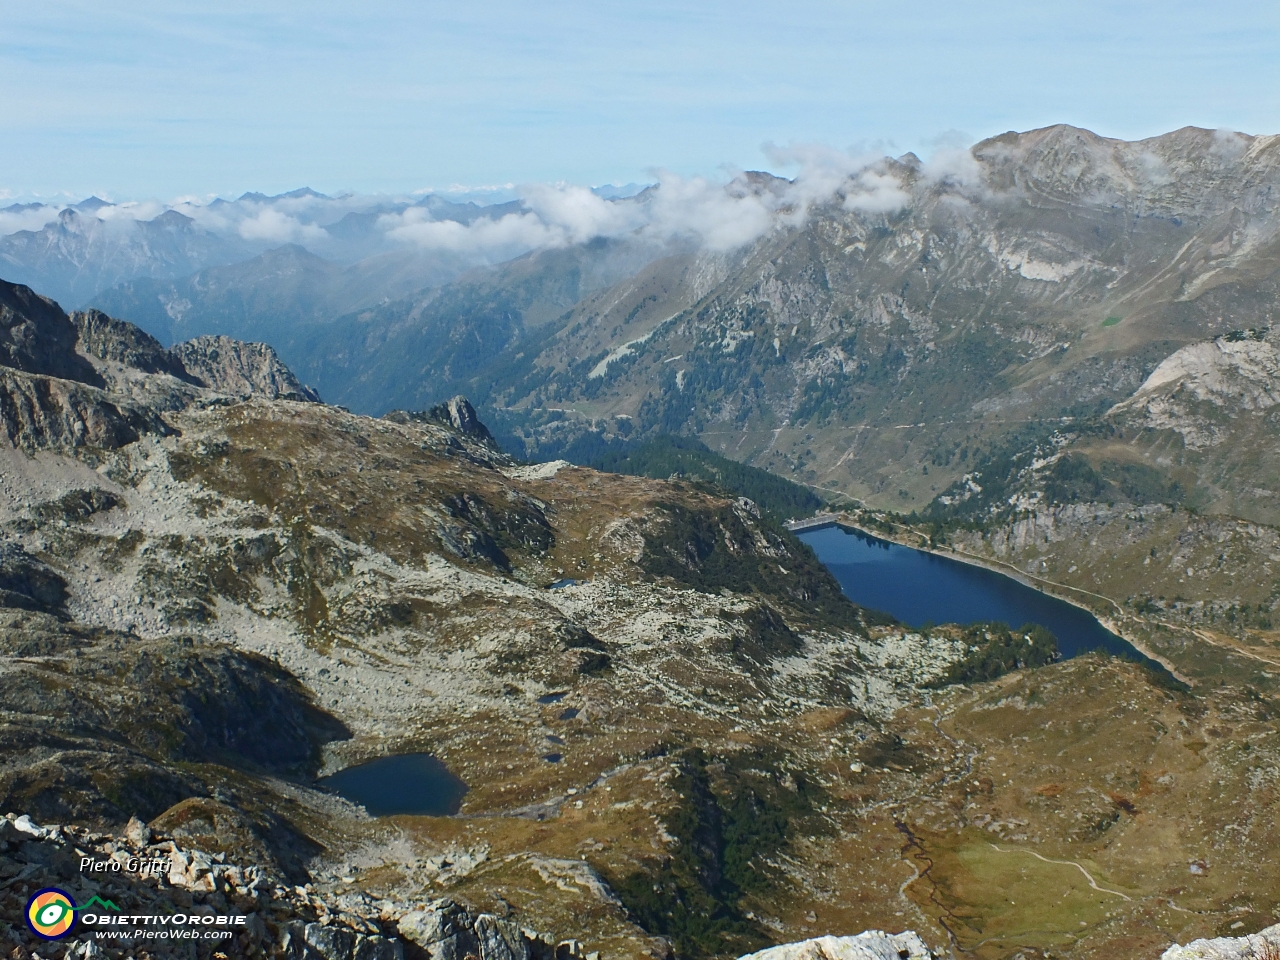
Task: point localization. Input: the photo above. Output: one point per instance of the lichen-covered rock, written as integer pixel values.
(870, 945)
(1265, 943)
(241, 369)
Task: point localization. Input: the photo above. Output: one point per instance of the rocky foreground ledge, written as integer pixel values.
(145, 874)
(1264, 945)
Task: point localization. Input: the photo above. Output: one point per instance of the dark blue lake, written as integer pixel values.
(409, 783)
(920, 588)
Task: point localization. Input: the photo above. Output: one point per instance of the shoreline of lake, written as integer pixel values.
(1049, 588)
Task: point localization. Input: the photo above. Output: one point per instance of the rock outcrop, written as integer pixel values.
(150, 870)
(27, 583)
(81, 381)
(241, 369)
(1259, 946)
(456, 413)
(38, 412)
(871, 945)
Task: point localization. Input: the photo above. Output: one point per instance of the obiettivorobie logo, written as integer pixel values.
(51, 913)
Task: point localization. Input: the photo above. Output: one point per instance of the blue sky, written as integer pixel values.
(161, 98)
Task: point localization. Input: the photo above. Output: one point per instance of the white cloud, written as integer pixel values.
(712, 214)
(876, 191)
(15, 220)
(132, 210)
(956, 168)
(716, 216)
(706, 212)
(1228, 145)
(273, 226)
(486, 239)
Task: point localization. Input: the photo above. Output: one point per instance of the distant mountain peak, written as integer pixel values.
(301, 192)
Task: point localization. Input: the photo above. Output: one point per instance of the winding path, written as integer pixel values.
(1068, 863)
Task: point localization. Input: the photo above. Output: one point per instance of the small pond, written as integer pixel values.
(920, 588)
(408, 783)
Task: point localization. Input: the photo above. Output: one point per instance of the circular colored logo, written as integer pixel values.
(51, 913)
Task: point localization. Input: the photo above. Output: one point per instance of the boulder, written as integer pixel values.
(137, 832)
(446, 931)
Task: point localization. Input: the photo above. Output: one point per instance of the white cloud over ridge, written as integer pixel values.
(276, 226)
(714, 215)
(11, 221)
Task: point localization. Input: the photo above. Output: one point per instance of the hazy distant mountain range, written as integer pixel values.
(882, 328)
(78, 251)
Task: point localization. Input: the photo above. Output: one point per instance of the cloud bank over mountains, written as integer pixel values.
(717, 216)
(75, 251)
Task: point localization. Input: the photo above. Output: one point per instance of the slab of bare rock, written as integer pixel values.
(1265, 943)
(39, 413)
(315, 941)
(870, 945)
